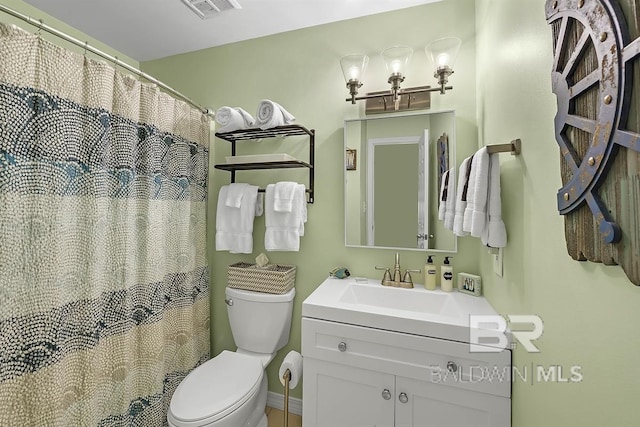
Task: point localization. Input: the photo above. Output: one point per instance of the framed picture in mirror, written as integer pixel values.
(351, 159)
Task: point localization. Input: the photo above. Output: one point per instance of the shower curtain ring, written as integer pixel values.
(86, 44)
(40, 24)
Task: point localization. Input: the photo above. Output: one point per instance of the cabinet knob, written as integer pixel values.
(452, 367)
(403, 398)
(386, 394)
(342, 346)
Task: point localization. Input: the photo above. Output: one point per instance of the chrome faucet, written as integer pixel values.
(398, 280)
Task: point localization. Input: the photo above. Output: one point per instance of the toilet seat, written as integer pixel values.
(215, 389)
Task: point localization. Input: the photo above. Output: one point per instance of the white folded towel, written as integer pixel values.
(234, 194)
(461, 196)
(233, 118)
(234, 226)
(450, 204)
(442, 198)
(271, 114)
(283, 196)
(284, 229)
(495, 233)
(476, 210)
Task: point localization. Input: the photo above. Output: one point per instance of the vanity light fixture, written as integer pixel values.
(441, 52)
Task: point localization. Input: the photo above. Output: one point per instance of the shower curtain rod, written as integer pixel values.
(38, 23)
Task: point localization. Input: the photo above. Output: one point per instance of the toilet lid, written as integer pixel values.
(216, 388)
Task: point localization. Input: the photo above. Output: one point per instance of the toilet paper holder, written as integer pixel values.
(286, 377)
(290, 375)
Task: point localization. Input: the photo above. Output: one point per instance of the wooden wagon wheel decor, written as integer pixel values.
(592, 78)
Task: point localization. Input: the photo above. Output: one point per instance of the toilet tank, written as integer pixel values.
(260, 322)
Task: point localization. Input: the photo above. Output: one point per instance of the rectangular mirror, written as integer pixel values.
(393, 165)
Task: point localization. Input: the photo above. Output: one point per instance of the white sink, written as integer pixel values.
(416, 311)
(399, 299)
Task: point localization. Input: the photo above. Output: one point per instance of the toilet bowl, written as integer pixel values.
(230, 390)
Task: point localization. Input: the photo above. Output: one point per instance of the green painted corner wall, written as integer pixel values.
(301, 71)
(27, 9)
(590, 311)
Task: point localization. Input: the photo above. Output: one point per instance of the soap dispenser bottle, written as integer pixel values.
(430, 274)
(446, 275)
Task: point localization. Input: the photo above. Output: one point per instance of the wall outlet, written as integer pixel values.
(497, 263)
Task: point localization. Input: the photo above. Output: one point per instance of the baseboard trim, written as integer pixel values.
(276, 400)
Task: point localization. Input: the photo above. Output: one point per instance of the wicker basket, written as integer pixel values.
(272, 279)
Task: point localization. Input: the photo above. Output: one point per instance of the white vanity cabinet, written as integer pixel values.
(361, 376)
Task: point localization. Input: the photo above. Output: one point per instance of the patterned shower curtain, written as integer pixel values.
(104, 284)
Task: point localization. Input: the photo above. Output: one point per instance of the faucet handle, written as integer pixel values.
(407, 275)
(387, 273)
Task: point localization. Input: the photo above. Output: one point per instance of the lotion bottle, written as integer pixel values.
(446, 275)
(430, 274)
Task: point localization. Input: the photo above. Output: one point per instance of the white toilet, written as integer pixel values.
(230, 390)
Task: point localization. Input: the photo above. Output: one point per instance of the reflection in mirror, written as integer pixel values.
(391, 193)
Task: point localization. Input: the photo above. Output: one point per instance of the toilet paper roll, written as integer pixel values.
(292, 362)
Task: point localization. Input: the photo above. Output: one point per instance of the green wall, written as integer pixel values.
(590, 311)
(26, 9)
(300, 70)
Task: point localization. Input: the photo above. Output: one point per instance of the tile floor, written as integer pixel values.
(276, 418)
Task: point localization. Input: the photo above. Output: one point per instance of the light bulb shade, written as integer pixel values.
(443, 52)
(396, 59)
(353, 67)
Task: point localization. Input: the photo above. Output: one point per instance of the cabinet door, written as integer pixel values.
(436, 405)
(342, 396)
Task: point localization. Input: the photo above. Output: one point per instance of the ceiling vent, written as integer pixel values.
(208, 8)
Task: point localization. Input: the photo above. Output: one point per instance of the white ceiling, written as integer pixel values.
(151, 29)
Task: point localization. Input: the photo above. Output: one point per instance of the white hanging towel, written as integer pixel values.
(450, 204)
(260, 204)
(495, 233)
(235, 192)
(271, 114)
(284, 229)
(283, 196)
(461, 197)
(234, 226)
(466, 219)
(442, 198)
(233, 118)
(475, 214)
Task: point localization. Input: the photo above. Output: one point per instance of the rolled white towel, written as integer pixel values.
(233, 118)
(271, 114)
